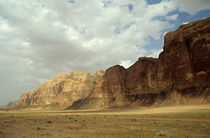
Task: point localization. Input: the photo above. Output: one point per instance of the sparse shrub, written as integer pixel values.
(49, 122)
(163, 133)
(2, 126)
(154, 122)
(48, 134)
(133, 119)
(205, 126)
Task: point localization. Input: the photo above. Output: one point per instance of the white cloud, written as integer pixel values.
(172, 17)
(39, 39)
(154, 53)
(126, 63)
(191, 7)
(185, 23)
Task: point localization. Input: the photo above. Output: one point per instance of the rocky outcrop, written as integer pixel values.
(181, 74)
(61, 91)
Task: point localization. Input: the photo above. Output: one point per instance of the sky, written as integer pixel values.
(42, 38)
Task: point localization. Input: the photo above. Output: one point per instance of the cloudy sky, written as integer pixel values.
(41, 38)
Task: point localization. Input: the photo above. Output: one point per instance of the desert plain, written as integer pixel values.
(186, 121)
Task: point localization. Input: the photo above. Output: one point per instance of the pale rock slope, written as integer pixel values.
(61, 91)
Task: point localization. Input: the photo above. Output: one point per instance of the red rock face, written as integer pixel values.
(180, 75)
(142, 76)
(187, 55)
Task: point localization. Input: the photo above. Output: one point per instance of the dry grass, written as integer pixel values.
(178, 121)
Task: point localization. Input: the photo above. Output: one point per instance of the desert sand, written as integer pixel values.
(174, 121)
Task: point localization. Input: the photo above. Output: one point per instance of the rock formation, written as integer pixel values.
(181, 75)
(61, 91)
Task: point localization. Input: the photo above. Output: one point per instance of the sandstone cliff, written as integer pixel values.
(61, 91)
(181, 74)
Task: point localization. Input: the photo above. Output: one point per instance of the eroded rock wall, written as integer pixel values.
(181, 74)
